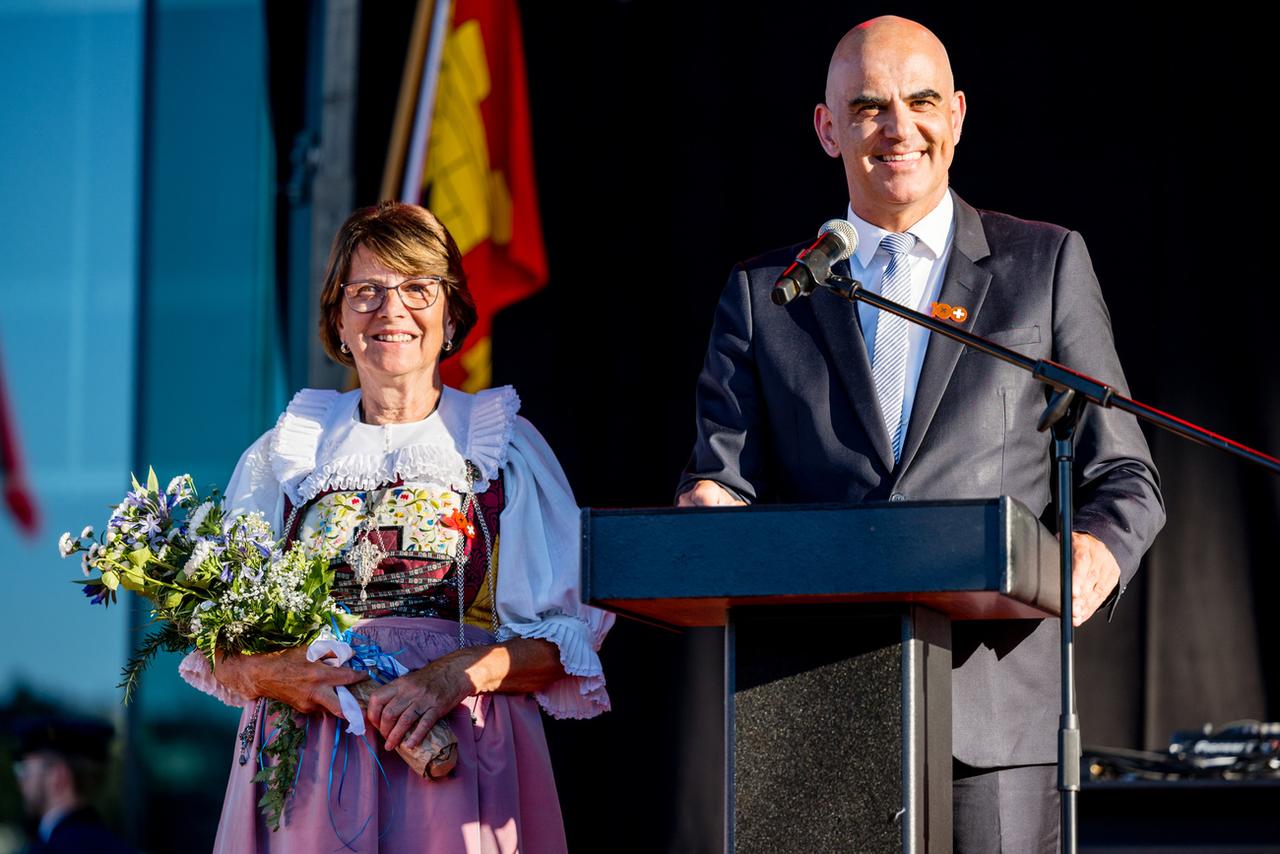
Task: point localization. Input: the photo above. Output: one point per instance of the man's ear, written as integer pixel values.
(823, 126)
(958, 107)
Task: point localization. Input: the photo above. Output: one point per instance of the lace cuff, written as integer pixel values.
(581, 693)
(197, 673)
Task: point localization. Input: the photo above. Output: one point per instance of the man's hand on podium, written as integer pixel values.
(1094, 574)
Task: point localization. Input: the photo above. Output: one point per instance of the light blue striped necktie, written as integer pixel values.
(889, 362)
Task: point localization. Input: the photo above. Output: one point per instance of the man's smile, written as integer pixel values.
(906, 157)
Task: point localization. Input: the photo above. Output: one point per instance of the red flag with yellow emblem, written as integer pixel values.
(477, 174)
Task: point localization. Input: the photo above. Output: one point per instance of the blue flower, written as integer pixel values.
(98, 594)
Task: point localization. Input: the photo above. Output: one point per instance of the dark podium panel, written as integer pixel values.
(838, 648)
(838, 726)
(982, 559)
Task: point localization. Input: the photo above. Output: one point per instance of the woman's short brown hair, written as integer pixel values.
(410, 240)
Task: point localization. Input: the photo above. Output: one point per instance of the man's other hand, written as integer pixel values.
(707, 493)
(1094, 574)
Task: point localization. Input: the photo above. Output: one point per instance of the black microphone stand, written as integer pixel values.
(1072, 393)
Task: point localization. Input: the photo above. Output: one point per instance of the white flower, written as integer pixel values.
(175, 484)
(198, 556)
(205, 605)
(66, 545)
(198, 515)
(87, 533)
(84, 565)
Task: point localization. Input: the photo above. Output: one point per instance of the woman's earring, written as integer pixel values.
(342, 345)
(447, 346)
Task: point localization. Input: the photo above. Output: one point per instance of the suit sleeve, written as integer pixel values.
(1117, 488)
(730, 439)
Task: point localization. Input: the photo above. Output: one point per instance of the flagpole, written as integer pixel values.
(411, 186)
(398, 145)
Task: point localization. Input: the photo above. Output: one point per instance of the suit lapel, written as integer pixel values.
(838, 321)
(965, 284)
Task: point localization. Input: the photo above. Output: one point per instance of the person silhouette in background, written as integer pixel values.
(59, 762)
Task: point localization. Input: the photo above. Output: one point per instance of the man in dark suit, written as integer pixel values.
(826, 401)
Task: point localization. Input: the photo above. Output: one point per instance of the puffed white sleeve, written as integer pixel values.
(538, 577)
(253, 487)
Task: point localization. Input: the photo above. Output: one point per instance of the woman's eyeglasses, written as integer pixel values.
(416, 294)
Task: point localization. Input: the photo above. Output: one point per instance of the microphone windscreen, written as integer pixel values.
(845, 229)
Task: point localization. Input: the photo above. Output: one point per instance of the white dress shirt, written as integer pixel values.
(928, 257)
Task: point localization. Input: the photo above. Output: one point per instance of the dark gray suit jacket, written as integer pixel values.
(787, 412)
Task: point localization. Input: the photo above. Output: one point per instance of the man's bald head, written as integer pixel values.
(893, 116)
(888, 33)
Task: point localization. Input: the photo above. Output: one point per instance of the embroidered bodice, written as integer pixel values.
(425, 531)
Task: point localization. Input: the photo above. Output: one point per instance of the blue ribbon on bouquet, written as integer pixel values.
(368, 657)
(265, 739)
(333, 756)
(382, 667)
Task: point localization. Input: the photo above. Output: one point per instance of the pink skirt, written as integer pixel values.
(501, 797)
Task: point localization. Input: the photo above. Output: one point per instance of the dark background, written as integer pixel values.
(674, 139)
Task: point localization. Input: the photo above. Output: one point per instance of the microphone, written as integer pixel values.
(837, 240)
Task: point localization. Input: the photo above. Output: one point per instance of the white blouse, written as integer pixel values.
(319, 443)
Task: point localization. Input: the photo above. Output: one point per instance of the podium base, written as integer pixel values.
(838, 729)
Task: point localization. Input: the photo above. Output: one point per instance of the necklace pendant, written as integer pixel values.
(363, 558)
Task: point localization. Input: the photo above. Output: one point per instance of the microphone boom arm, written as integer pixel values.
(1060, 377)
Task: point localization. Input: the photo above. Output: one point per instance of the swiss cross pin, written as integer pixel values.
(955, 313)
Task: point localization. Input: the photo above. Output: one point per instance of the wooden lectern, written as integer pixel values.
(838, 648)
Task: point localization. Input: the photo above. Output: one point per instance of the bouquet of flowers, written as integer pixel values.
(220, 582)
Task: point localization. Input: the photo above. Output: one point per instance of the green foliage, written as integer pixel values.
(283, 753)
(167, 638)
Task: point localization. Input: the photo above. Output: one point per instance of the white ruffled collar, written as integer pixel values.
(320, 443)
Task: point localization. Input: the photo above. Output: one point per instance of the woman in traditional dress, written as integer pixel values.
(454, 535)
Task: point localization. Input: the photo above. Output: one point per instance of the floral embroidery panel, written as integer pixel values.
(417, 511)
(420, 528)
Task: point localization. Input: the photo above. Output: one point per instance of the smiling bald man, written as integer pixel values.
(824, 401)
